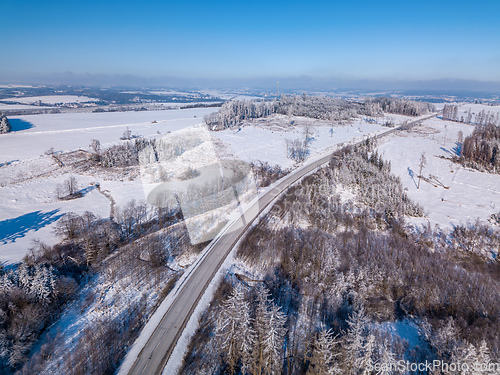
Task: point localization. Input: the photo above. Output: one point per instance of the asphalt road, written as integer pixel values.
(160, 345)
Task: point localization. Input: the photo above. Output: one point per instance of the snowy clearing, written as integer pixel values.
(454, 194)
(266, 139)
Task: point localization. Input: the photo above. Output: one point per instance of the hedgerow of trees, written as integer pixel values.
(481, 150)
(401, 106)
(141, 150)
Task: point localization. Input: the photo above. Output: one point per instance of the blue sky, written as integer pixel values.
(376, 40)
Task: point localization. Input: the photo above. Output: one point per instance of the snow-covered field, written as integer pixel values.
(28, 178)
(53, 99)
(458, 194)
(4, 106)
(475, 109)
(266, 140)
(71, 131)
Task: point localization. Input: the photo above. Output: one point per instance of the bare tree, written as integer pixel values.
(95, 146)
(71, 185)
(68, 226)
(68, 189)
(308, 132)
(127, 135)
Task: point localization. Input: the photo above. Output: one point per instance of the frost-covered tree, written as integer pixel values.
(38, 281)
(131, 217)
(95, 147)
(274, 338)
(297, 150)
(481, 149)
(353, 341)
(127, 134)
(234, 330)
(483, 356)
(6, 283)
(323, 354)
(4, 124)
(450, 112)
(269, 328)
(404, 107)
(468, 120)
(444, 339)
(369, 351)
(43, 282)
(71, 185)
(263, 297)
(233, 113)
(387, 359)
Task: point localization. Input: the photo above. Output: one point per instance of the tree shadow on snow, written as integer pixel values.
(412, 175)
(457, 149)
(18, 125)
(446, 150)
(86, 190)
(12, 229)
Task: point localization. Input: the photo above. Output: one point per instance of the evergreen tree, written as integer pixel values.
(4, 124)
(353, 341)
(369, 350)
(274, 338)
(323, 356)
(233, 330)
(260, 327)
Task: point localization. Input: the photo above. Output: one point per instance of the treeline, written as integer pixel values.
(483, 118)
(31, 297)
(481, 150)
(365, 172)
(139, 265)
(336, 269)
(233, 113)
(34, 293)
(400, 106)
(141, 151)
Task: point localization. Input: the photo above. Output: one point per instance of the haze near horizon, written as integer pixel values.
(195, 41)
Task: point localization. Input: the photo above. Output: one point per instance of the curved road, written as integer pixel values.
(157, 350)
